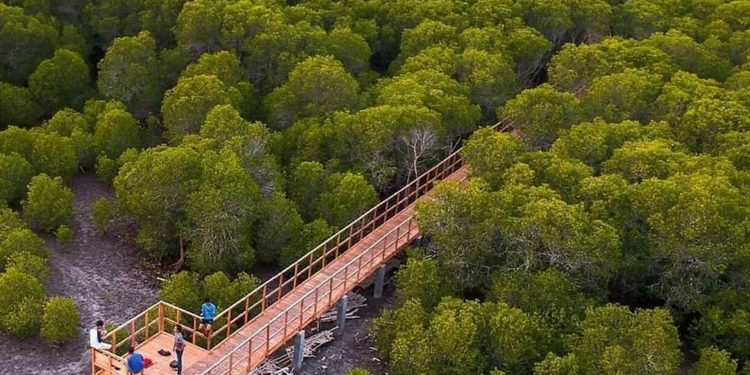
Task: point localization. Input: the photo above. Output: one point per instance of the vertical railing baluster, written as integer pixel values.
(229, 322)
(315, 307)
(296, 272)
(263, 300)
(132, 333)
(310, 265)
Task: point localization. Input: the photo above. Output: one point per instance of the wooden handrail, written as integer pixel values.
(127, 323)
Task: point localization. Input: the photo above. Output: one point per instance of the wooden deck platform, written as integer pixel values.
(150, 349)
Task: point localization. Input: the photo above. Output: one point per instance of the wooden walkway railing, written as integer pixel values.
(305, 308)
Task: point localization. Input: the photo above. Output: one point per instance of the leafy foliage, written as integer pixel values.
(60, 320)
(49, 203)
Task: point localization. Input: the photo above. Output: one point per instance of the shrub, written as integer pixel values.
(21, 240)
(106, 168)
(101, 213)
(29, 264)
(24, 319)
(21, 296)
(357, 371)
(64, 234)
(49, 203)
(15, 174)
(60, 321)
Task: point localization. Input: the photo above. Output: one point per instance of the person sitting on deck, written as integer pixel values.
(135, 363)
(96, 335)
(208, 311)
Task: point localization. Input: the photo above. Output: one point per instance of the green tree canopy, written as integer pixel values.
(186, 105)
(541, 113)
(316, 87)
(129, 72)
(61, 81)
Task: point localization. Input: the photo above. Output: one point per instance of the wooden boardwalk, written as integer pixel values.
(271, 329)
(260, 323)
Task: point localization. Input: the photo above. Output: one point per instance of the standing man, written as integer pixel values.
(208, 311)
(135, 363)
(179, 347)
(96, 335)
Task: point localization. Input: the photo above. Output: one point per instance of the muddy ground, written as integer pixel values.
(102, 274)
(354, 348)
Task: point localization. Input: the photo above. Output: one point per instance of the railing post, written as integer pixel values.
(346, 276)
(338, 241)
(281, 285)
(398, 229)
(296, 271)
(195, 330)
(229, 322)
(315, 307)
(330, 289)
(160, 323)
(263, 300)
(310, 265)
(132, 333)
(325, 253)
(145, 327)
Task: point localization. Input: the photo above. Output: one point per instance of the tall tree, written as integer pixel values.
(129, 72)
(61, 81)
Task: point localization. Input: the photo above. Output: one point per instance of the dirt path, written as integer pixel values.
(103, 276)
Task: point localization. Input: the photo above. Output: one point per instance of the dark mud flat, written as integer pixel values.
(354, 348)
(102, 274)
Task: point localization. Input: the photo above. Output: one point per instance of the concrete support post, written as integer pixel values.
(379, 281)
(299, 350)
(341, 314)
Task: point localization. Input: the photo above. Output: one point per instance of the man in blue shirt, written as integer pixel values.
(135, 363)
(208, 311)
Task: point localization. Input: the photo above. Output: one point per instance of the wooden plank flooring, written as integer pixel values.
(160, 366)
(281, 321)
